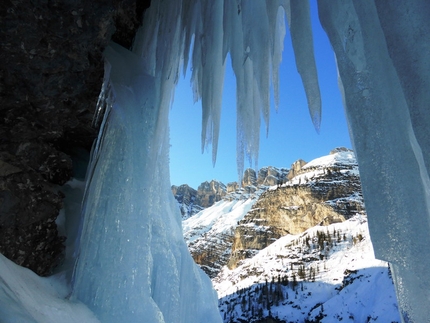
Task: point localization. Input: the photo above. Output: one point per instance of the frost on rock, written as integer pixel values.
(382, 53)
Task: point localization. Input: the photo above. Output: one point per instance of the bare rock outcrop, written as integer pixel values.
(296, 167)
(186, 197)
(249, 178)
(209, 193)
(192, 201)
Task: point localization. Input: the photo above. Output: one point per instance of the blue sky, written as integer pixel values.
(291, 133)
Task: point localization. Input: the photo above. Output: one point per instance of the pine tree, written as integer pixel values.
(294, 281)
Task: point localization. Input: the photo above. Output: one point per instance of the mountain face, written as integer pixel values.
(295, 250)
(186, 197)
(324, 191)
(210, 233)
(192, 201)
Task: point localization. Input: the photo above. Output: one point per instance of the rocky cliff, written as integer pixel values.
(186, 197)
(51, 69)
(324, 191)
(192, 201)
(210, 233)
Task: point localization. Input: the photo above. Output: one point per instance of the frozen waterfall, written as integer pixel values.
(133, 265)
(382, 51)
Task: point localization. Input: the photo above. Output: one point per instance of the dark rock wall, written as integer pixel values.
(51, 69)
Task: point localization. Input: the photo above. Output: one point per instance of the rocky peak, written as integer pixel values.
(270, 176)
(232, 187)
(249, 178)
(339, 149)
(210, 192)
(296, 168)
(192, 201)
(186, 197)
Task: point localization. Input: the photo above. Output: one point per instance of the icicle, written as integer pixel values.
(104, 100)
(277, 17)
(301, 35)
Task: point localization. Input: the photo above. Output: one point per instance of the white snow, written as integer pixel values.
(344, 158)
(220, 218)
(28, 298)
(343, 161)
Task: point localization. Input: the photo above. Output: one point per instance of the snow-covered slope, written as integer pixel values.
(326, 274)
(209, 233)
(341, 160)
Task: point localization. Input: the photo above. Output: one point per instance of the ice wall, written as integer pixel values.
(382, 51)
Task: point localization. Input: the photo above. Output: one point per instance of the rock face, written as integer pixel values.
(212, 249)
(324, 191)
(269, 176)
(50, 76)
(320, 195)
(249, 178)
(186, 197)
(296, 167)
(232, 187)
(192, 201)
(210, 192)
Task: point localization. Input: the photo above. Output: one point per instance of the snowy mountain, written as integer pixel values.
(209, 233)
(327, 190)
(296, 252)
(326, 274)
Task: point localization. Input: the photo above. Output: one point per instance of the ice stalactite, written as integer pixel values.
(382, 53)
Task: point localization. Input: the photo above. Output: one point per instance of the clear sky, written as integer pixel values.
(291, 132)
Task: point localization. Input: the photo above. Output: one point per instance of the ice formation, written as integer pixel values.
(385, 98)
(133, 264)
(382, 52)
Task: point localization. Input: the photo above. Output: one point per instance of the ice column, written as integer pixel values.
(382, 51)
(134, 265)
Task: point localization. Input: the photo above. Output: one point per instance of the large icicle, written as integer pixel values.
(133, 264)
(301, 35)
(386, 95)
